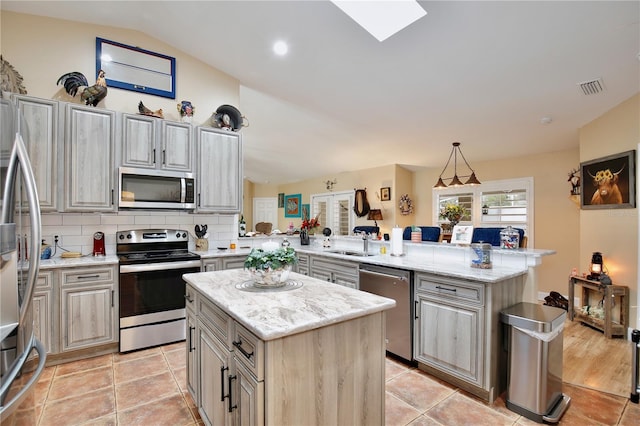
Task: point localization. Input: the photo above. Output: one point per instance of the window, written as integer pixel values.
(334, 211)
(492, 204)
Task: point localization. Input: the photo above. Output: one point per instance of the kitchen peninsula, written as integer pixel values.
(310, 354)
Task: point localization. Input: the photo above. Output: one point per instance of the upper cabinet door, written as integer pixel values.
(176, 146)
(40, 129)
(89, 142)
(139, 141)
(219, 178)
(152, 143)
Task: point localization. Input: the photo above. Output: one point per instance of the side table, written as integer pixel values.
(606, 293)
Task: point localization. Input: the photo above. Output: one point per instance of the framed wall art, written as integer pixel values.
(281, 200)
(293, 205)
(136, 69)
(462, 234)
(385, 193)
(609, 182)
(305, 211)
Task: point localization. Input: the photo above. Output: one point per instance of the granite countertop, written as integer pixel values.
(70, 262)
(271, 314)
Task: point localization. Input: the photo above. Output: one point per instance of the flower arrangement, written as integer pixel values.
(310, 224)
(452, 212)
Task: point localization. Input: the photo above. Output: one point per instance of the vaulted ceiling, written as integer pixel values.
(487, 74)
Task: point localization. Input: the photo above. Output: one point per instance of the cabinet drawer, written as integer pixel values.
(87, 275)
(215, 318)
(249, 350)
(44, 280)
(450, 289)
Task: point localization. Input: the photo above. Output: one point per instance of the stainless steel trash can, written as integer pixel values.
(534, 375)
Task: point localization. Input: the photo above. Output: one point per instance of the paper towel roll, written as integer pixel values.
(396, 241)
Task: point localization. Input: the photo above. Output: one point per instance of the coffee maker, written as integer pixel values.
(98, 244)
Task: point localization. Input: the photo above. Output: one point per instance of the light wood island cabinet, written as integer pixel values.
(321, 362)
(457, 330)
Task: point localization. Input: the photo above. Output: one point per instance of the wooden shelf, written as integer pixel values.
(607, 293)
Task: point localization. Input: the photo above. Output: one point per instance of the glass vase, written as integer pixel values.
(270, 278)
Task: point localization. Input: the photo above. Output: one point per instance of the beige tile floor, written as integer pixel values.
(148, 388)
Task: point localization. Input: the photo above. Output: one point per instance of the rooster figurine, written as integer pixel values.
(91, 95)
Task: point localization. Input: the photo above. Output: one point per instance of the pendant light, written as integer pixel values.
(455, 181)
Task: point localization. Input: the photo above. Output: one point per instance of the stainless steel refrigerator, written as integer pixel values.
(20, 232)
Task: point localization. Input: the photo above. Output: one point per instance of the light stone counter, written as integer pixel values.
(271, 314)
(88, 260)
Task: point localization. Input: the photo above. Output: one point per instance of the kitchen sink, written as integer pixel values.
(351, 253)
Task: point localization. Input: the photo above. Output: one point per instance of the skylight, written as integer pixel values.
(382, 19)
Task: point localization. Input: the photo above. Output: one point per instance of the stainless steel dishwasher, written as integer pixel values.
(394, 284)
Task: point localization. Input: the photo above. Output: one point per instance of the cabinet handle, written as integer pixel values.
(238, 345)
(415, 313)
(154, 156)
(222, 395)
(164, 157)
(84, 277)
(445, 288)
(188, 298)
(231, 406)
(112, 196)
(199, 205)
(113, 292)
(191, 347)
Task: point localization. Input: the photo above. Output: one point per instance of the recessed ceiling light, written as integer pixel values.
(546, 120)
(382, 19)
(280, 48)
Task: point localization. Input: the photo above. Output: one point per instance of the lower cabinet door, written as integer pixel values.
(450, 338)
(192, 358)
(250, 395)
(214, 382)
(88, 316)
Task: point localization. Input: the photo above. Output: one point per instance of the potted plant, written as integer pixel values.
(270, 265)
(453, 213)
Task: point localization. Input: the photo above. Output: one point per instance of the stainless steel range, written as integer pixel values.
(152, 306)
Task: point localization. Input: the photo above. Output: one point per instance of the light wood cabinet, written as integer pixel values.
(337, 271)
(192, 360)
(303, 264)
(44, 311)
(244, 380)
(88, 307)
(153, 143)
(457, 330)
(449, 333)
(90, 138)
(221, 263)
(219, 175)
(209, 265)
(42, 133)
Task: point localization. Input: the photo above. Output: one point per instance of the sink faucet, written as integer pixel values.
(365, 240)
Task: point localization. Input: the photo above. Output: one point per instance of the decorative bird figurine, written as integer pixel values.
(91, 95)
(146, 111)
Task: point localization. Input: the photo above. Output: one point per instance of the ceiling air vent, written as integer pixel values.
(592, 87)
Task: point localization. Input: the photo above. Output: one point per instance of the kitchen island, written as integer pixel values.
(311, 353)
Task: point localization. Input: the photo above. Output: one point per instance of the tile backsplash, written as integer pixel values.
(75, 230)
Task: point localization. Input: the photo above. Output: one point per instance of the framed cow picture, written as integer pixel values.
(609, 182)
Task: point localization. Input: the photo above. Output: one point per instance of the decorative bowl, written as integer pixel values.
(270, 278)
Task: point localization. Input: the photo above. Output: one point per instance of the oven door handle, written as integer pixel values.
(160, 266)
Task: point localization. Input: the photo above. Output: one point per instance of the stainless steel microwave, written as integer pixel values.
(155, 189)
